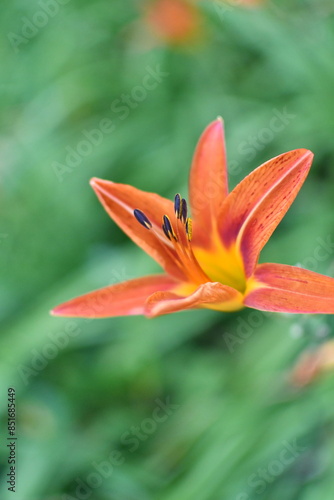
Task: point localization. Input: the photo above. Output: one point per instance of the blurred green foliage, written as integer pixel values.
(85, 387)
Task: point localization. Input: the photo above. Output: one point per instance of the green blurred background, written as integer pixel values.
(92, 395)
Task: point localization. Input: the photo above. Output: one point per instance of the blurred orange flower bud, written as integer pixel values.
(173, 21)
(313, 363)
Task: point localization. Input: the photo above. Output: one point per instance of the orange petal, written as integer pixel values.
(281, 288)
(256, 206)
(208, 186)
(120, 200)
(122, 299)
(209, 295)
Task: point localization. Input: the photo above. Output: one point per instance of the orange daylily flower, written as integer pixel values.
(179, 22)
(211, 260)
(173, 21)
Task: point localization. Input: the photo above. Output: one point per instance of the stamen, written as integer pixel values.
(168, 228)
(165, 231)
(189, 228)
(177, 243)
(177, 205)
(183, 211)
(142, 219)
(180, 208)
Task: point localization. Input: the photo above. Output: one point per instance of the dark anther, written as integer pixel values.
(184, 210)
(177, 205)
(189, 228)
(168, 228)
(165, 231)
(167, 224)
(142, 219)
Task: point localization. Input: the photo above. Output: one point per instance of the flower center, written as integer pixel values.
(176, 237)
(222, 264)
(199, 265)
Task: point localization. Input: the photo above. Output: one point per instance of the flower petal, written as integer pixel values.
(208, 186)
(209, 295)
(120, 200)
(122, 299)
(256, 206)
(281, 288)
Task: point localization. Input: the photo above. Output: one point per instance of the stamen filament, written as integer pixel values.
(190, 257)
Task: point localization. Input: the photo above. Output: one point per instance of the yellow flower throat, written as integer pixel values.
(217, 264)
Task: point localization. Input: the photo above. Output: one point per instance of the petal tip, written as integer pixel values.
(99, 184)
(62, 311)
(307, 156)
(217, 123)
(305, 152)
(54, 312)
(94, 182)
(215, 129)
